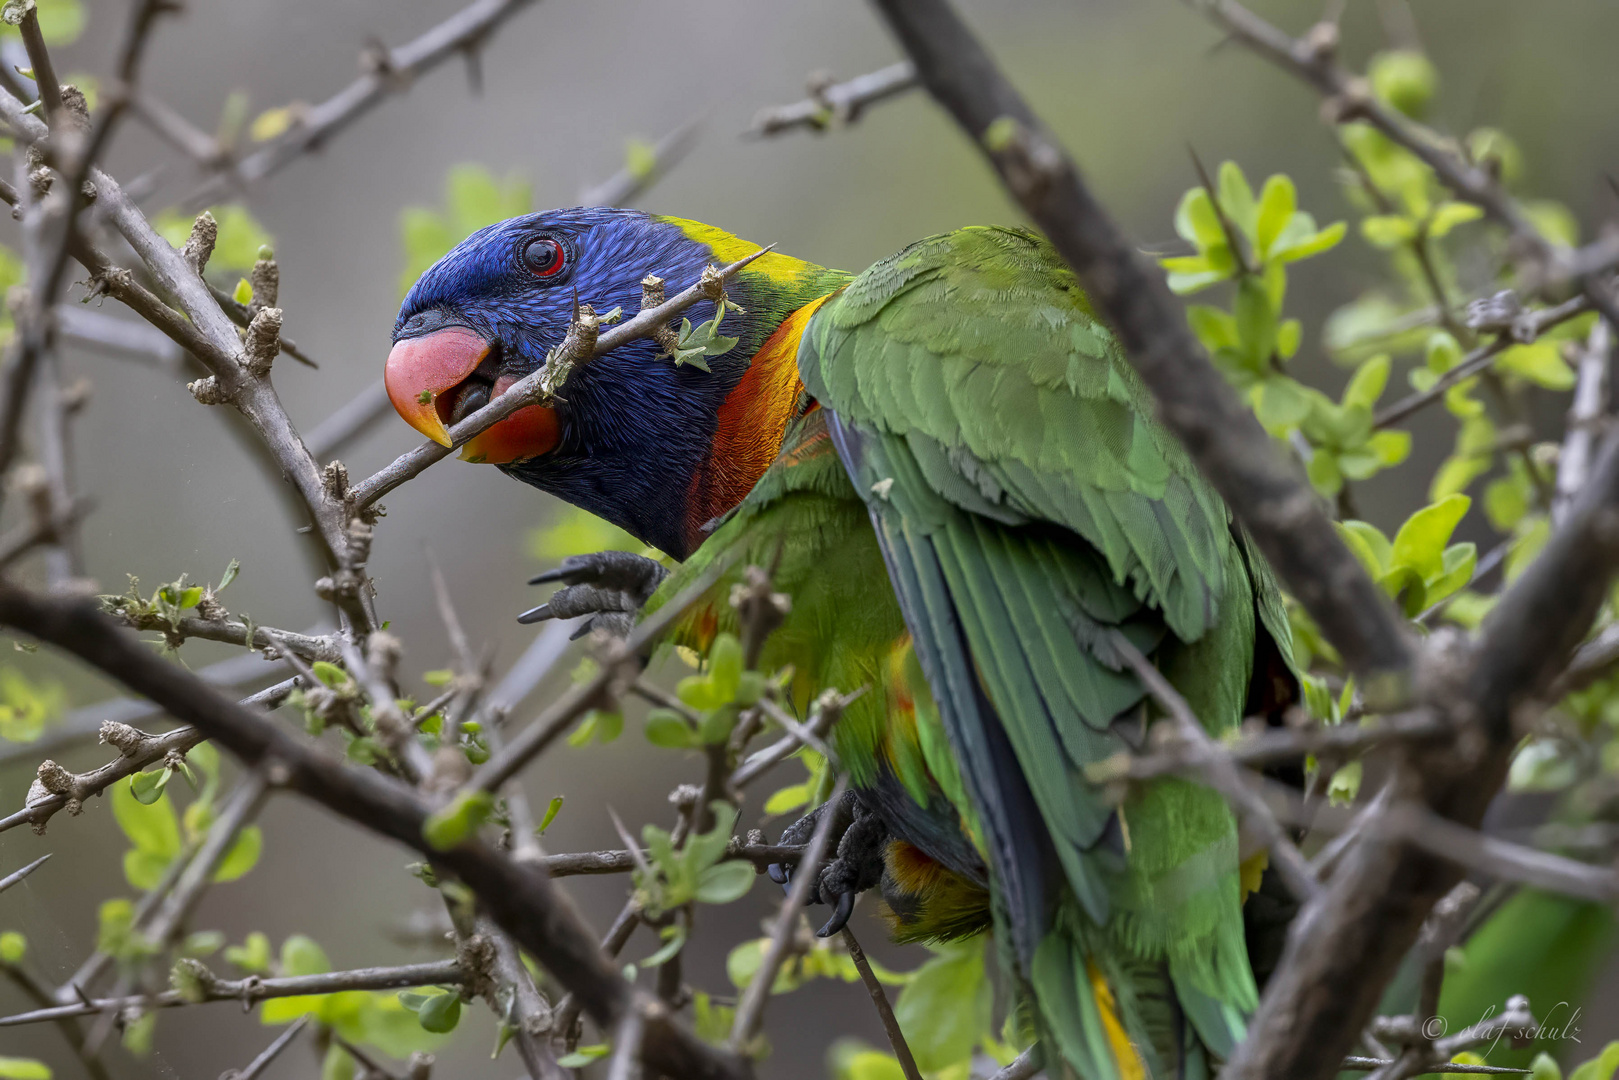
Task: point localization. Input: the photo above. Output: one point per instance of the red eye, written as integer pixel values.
(543, 257)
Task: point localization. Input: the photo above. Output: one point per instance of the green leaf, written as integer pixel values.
(1309, 240)
(1196, 221)
(153, 829)
(337, 1064)
(330, 674)
(1345, 784)
(674, 938)
(665, 727)
(147, 787)
(1540, 362)
(873, 1065)
(242, 856)
(717, 726)
(15, 1068)
(1553, 220)
(1406, 586)
(1277, 203)
(1459, 562)
(1456, 473)
(1324, 474)
(1283, 404)
(725, 665)
(452, 825)
(1288, 336)
(1367, 544)
(252, 956)
(1388, 230)
(1256, 322)
(1545, 1067)
(1404, 79)
(946, 1005)
(232, 569)
(1420, 543)
(725, 882)
(1448, 215)
(301, 955)
(699, 692)
(1367, 384)
(1601, 1067)
(114, 921)
(243, 293)
(551, 812)
(1237, 198)
(788, 798)
(1441, 352)
(583, 1056)
(438, 677)
(440, 1013)
(1390, 447)
(1213, 327)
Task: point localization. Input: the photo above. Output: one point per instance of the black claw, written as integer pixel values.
(840, 917)
(584, 628)
(550, 575)
(777, 872)
(534, 615)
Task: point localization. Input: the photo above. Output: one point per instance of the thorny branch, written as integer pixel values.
(832, 103)
(203, 986)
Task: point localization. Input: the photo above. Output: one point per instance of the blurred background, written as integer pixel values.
(1129, 85)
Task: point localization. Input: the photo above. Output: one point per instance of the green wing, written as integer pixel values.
(1029, 508)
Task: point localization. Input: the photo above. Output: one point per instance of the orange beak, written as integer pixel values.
(420, 372)
(421, 368)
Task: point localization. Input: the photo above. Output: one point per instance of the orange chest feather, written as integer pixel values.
(749, 426)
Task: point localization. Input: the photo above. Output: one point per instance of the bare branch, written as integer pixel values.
(630, 182)
(137, 750)
(885, 1011)
(521, 899)
(206, 987)
(265, 1059)
(1529, 327)
(1585, 416)
(834, 104)
(389, 71)
(750, 1009)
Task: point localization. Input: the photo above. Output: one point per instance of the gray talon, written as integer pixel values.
(609, 587)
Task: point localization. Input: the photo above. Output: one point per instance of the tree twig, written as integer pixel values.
(834, 103)
(751, 1007)
(521, 899)
(885, 1011)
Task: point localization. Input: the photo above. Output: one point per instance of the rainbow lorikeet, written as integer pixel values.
(959, 480)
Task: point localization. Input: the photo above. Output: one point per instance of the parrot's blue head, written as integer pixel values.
(631, 434)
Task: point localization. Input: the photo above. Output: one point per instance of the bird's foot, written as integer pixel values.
(860, 836)
(610, 587)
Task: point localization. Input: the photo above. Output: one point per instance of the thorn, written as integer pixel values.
(13, 879)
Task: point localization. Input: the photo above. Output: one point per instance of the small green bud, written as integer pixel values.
(1404, 79)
